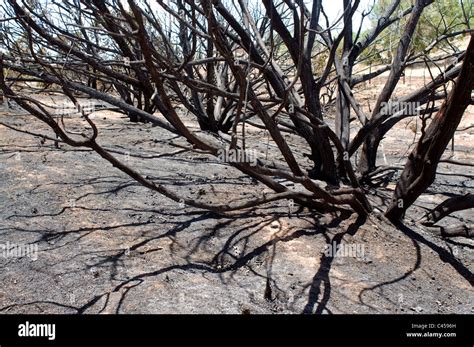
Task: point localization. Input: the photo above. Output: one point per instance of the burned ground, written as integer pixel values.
(108, 245)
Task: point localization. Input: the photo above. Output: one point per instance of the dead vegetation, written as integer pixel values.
(243, 114)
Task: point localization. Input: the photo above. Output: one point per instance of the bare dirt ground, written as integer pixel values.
(108, 245)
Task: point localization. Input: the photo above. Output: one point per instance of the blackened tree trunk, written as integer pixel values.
(367, 159)
(321, 152)
(343, 110)
(420, 169)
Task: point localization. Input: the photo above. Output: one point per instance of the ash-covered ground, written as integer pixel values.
(107, 245)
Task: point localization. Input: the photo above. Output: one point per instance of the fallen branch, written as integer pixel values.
(453, 231)
(457, 203)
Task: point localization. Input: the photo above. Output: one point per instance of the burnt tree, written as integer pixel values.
(420, 169)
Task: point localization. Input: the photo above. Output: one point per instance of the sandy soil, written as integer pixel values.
(107, 245)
